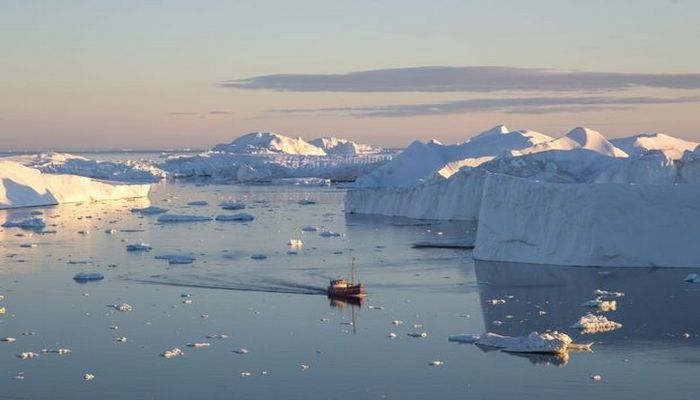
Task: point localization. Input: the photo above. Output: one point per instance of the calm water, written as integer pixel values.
(273, 308)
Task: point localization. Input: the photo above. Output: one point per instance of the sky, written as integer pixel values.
(90, 74)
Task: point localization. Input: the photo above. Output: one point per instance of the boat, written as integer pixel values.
(341, 288)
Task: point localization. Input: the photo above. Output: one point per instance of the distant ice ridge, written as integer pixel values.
(420, 162)
(65, 163)
(585, 156)
(269, 158)
(22, 186)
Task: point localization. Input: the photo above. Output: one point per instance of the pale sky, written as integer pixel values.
(172, 74)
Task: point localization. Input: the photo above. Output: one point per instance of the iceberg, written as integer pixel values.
(64, 163)
(609, 225)
(22, 186)
(343, 147)
(35, 224)
(269, 143)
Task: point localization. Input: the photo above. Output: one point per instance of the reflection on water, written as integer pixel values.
(657, 306)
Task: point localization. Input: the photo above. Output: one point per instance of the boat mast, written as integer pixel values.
(352, 274)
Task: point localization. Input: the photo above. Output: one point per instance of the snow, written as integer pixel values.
(64, 163)
(22, 186)
(343, 147)
(545, 343)
(671, 146)
(269, 143)
(591, 323)
(577, 138)
(421, 161)
(619, 225)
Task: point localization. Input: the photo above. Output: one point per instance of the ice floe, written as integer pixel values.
(175, 218)
(138, 247)
(591, 323)
(240, 217)
(88, 276)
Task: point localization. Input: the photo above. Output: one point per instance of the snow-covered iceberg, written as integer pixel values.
(63, 163)
(343, 147)
(671, 146)
(421, 161)
(269, 143)
(21, 186)
(607, 224)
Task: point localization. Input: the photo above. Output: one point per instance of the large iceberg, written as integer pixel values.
(64, 163)
(268, 157)
(22, 186)
(421, 161)
(608, 224)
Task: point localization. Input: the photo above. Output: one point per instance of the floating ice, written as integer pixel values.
(464, 338)
(152, 210)
(183, 218)
(692, 278)
(306, 202)
(591, 323)
(8, 339)
(295, 243)
(199, 345)
(121, 339)
(258, 256)
(242, 217)
(27, 355)
(232, 205)
(606, 293)
(88, 276)
(138, 247)
(548, 342)
(88, 377)
(240, 351)
(436, 363)
(174, 352)
(123, 307)
(329, 234)
(217, 336)
(176, 258)
(56, 351)
(418, 334)
(35, 223)
(198, 203)
(601, 305)
(392, 335)
(310, 228)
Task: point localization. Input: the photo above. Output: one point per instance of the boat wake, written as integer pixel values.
(263, 286)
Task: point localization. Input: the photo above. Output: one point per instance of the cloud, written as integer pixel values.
(518, 105)
(464, 79)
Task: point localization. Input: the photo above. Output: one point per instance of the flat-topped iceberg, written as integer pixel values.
(22, 186)
(645, 225)
(64, 163)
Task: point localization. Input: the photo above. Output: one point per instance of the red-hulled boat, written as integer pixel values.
(342, 288)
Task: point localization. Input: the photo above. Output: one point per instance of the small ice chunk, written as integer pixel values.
(27, 355)
(138, 247)
(240, 351)
(88, 377)
(240, 217)
(176, 258)
(418, 334)
(692, 278)
(183, 218)
(295, 243)
(464, 338)
(329, 234)
(8, 339)
(199, 345)
(436, 363)
(596, 378)
(152, 210)
(496, 301)
(246, 373)
(591, 323)
(88, 276)
(310, 228)
(258, 256)
(606, 293)
(174, 352)
(56, 351)
(601, 305)
(198, 203)
(306, 202)
(392, 335)
(304, 367)
(232, 205)
(121, 339)
(123, 307)
(397, 322)
(110, 231)
(217, 336)
(35, 224)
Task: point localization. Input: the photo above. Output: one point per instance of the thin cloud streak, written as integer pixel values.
(464, 79)
(523, 105)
